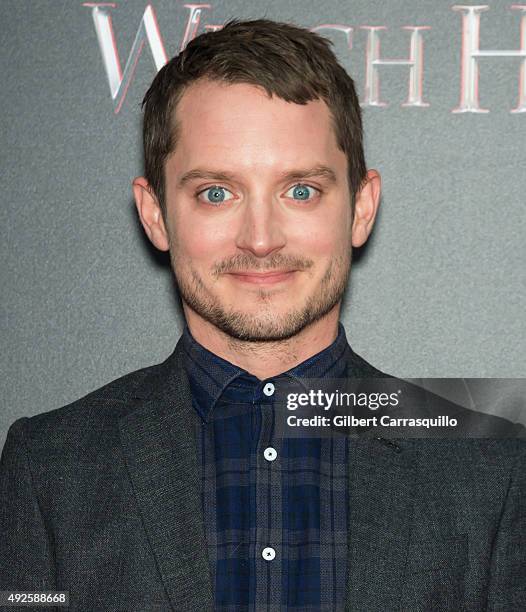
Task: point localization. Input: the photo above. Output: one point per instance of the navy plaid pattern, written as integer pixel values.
(297, 504)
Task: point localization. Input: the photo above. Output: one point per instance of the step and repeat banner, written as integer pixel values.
(439, 289)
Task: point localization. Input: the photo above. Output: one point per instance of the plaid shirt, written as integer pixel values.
(275, 520)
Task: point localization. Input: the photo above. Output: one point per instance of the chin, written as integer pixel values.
(251, 325)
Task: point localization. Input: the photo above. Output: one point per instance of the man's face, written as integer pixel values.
(258, 211)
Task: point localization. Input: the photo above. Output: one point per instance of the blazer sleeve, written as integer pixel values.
(507, 590)
(26, 556)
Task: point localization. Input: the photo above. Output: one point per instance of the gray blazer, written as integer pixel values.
(102, 498)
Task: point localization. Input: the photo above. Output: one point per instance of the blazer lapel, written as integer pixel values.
(382, 478)
(158, 442)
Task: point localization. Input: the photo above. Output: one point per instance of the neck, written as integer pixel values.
(265, 359)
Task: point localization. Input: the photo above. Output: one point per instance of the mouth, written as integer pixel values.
(263, 278)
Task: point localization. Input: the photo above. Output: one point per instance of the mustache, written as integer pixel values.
(277, 261)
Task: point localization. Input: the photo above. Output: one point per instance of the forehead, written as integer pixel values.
(240, 124)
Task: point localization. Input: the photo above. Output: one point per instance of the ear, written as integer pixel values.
(365, 208)
(150, 213)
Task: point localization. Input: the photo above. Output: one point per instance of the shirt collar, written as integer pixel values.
(210, 376)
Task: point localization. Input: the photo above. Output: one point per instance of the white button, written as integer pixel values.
(268, 389)
(268, 553)
(270, 453)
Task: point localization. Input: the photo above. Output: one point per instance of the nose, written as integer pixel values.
(261, 230)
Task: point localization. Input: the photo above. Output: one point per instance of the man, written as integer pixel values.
(168, 489)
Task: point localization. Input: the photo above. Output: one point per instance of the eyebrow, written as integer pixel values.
(203, 173)
(319, 171)
(316, 172)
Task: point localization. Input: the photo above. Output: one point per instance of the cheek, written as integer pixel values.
(323, 236)
(200, 241)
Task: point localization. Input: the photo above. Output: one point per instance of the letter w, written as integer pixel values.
(148, 31)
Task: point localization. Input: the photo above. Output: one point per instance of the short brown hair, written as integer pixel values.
(289, 62)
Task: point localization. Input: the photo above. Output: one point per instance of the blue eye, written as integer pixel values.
(215, 195)
(303, 192)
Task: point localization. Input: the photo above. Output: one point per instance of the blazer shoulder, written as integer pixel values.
(97, 409)
(361, 368)
(86, 429)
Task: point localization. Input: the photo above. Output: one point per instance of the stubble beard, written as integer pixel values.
(265, 326)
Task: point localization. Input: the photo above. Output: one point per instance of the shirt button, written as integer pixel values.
(268, 553)
(270, 453)
(268, 389)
